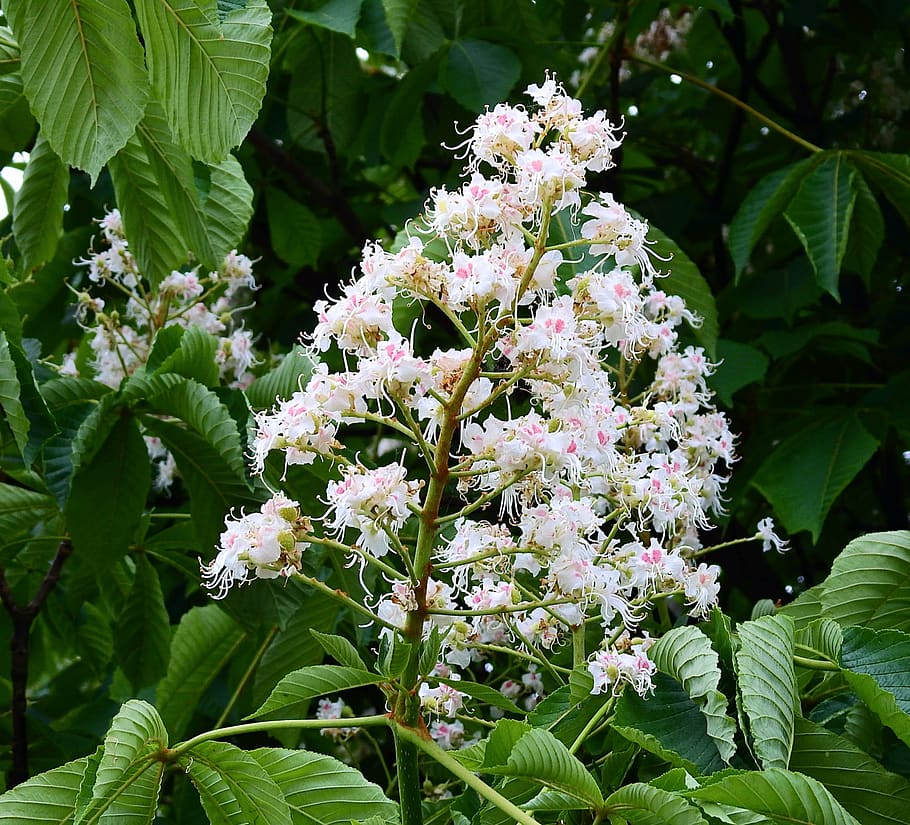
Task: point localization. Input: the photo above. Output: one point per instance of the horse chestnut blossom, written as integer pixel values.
(555, 456)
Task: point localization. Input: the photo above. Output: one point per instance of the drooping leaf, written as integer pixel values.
(10, 396)
(670, 725)
(144, 630)
(402, 136)
(127, 779)
(685, 280)
(739, 365)
(767, 682)
(117, 482)
(318, 788)
(685, 653)
(211, 226)
(209, 75)
(866, 790)
(83, 73)
(765, 202)
(204, 642)
(820, 639)
(42, 425)
(866, 232)
(776, 795)
(641, 804)
(283, 381)
(336, 15)
(477, 72)
(38, 214)
(46, 799)
(154, 236)
(876, 664)
(820, 215)
(870, 582)
(398, 14)
(809, 469)
(890, 173)
(234, 788)
(295, 690)
(193, 358)
(540, 756)
(293, 228)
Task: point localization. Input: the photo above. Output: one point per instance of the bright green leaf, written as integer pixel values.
(477, 72)
(38, 214)
(877, 666)
(767, 682)
(776, 795)
(297, 688)
(234, 788)
(46, 799)
(144, 630)
(641, 804)
(340, 649)
(820, 216)
(866, 790)
(205, 641)
(84, 75)
(194, 357)
(486, 694)
(283, 381)
(336, 15)
(870, 583)
(685, 653)
(809, 469)
(321, 789)
(208, 74)
(398, 15)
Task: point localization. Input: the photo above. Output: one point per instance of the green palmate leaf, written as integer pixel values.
(115, 482)
(540, 756)
(865, 789)
(877, 666)
(294, 229)
(128, 778)
(204, 642)
(685, 280)
(686, 654)
(336, 15)
(767, 682)
(641, 804)
(889, 173)
(38, 214)
(21, 509)
(340, 649)
(298, 644)
(10, 395)
(83, 73)
(234, 788)
(398, 14)
(809, 469)
(820, 215)
(212, 223)
(144, 630)
(866, 232)
(765, 202)
(208, 74)
(297, 688)
(46, 799)
(870, 582)
(776, 795)
(214, 487)
(740, 365)
(670, 725)
(318, 788)
(476, 72)
(283, 381)
(155, 239)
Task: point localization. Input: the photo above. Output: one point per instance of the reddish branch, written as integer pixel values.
(22, 617)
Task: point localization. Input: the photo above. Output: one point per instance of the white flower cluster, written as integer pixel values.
(571, 409)
(121, 339)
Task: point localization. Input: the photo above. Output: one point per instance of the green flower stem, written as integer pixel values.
(276, 724)
(603, 711)
(486, 498)
(520, 654)
(497, 611)
(429, 747)
(346, 548)
(705, 550)
(248, 674)
(695, 81)
(346, 600)
(579, 654)
(816, 659)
